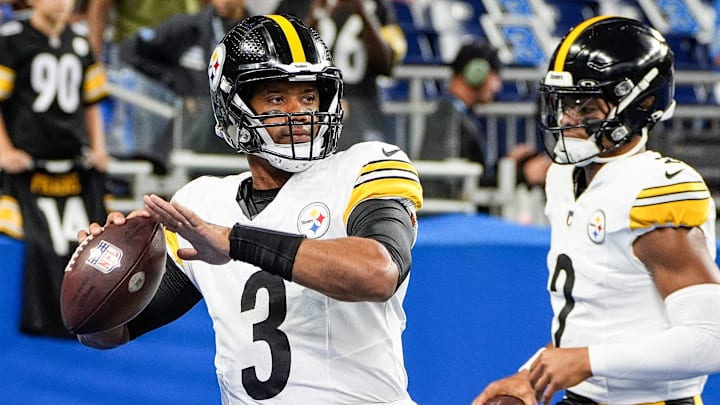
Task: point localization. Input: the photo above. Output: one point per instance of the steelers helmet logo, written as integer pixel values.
(596, 227)
(314, 220)
(216, 66)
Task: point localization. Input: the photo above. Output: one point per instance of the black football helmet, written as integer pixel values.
(619, 60)
(274, 47)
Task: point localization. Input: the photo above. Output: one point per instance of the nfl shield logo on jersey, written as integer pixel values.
(314, 220)
(596, 227)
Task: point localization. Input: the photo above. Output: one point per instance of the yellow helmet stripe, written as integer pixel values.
(296, 48)
(570, 39)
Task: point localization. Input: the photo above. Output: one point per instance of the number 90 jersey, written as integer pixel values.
(45, 84)
(278, 342)
(600, 292)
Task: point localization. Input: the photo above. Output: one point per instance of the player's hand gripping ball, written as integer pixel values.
(112, 277)
(504, 400)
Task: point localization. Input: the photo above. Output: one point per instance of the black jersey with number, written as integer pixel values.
(45, 84)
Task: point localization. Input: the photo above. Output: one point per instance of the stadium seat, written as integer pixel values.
(569, 13)
(421, 46)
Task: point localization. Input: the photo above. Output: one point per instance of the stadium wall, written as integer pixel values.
(476, 307)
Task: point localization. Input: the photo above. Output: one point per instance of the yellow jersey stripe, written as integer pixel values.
(172, 241)
(395, 37)
(385, 187)
(686, 212)
(7, 82)
(696, 401)
(95, 86)
(570, 38)
(387, 165)
(673, 189)
(11, 221)
(296, 48)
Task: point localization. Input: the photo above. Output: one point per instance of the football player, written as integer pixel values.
(303, 262)
(633, 284)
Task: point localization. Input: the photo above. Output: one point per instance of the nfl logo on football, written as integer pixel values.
(105, 257)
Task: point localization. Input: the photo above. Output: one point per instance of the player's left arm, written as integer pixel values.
(679, 259)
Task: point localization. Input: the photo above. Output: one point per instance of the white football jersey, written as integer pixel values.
(278, 342)
(600, 292)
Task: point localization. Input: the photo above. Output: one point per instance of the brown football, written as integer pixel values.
(504, 400)
(111, 277)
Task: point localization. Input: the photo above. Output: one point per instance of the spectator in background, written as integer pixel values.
(366, 42)
(50, 87)
(120, 19)
(132, 131)
(453, 130)
(175, 53)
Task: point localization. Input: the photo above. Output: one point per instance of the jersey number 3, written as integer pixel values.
(268, 331)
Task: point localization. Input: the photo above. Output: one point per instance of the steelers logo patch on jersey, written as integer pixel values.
(216, 66)
(314, 220)
(596, 227)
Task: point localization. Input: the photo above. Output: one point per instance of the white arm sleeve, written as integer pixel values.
(691, 347)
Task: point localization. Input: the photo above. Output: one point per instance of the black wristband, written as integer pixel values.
(272, 251)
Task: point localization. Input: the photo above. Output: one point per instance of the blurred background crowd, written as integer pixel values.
(399, 59)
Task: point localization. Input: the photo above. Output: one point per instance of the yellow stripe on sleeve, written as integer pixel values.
(296, 48)
(11, 221)
(681, 204)
(386, 179)
(7, 82)
(688, 213)
(172, 241)
(95, 86)
(672, 189)
(395, 37)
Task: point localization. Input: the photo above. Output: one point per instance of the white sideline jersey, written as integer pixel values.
(599, 291)
(278, 342)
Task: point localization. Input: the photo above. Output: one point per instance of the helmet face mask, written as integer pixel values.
(263, 49)
(618, 60)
